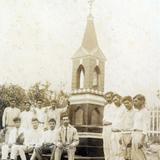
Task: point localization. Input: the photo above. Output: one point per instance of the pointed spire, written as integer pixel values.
(90, 2)
(89, 45)
(90, 38)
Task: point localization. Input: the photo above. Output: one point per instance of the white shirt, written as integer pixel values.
(8, 115)
(128, 119)
(40, 114)
(55, 114)
(141, 120)
(13, 135)
(26, 119)
(33, 137)
(108, 114)
(118, 117)
(50, 136)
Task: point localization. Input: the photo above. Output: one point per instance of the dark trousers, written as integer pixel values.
(45, 149)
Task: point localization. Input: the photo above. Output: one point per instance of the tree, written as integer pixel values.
(8, 92)
(11, 91)
(33, 94)
(40, 91)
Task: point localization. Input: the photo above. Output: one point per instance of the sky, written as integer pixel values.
(39, 37)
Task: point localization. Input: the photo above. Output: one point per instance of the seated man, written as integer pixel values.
(31, 140)
(67, 140)
(14, 138)
(48, 140)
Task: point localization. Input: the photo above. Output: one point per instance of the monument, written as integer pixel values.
(87, 98)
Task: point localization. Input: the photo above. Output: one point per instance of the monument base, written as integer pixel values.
(91, 142)
(86, 114)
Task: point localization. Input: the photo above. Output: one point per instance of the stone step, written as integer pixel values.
(85, 158)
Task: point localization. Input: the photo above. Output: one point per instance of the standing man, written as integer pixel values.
(48, 140)
(67, 140)
(127, 127)
(107, 124)
(40, 111)
(26, 116)
(9, 114)
(117, 127)
(55, 113)
(140, 127)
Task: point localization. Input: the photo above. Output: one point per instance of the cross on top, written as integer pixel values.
(90, 2)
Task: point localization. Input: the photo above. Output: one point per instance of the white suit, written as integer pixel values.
(126, 138)
(107, 124)
(32, 138)
(26, 119)
(6, 148)
(116, 133)
(140, 127)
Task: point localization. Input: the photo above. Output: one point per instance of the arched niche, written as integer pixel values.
(96, 77)
(79, 116)
(80, 77)
(95, 116)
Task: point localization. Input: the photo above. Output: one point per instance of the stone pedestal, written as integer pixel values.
(86, 114)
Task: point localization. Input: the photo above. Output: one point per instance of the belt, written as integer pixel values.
(10, 126)
(116, 130)
(41, 122)
(108, 124)
(137, 130)
(127, 131)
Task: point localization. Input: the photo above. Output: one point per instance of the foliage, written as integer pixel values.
(44, 92)
(11, 91)
(33, 94)
(39, 91)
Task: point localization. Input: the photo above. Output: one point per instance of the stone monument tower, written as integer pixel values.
(87, 98)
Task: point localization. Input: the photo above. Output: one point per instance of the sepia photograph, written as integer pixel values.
(79, 80)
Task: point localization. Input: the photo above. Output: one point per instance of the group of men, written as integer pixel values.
(38, 130)
(125, 126)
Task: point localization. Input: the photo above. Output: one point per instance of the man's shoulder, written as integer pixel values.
(17, 109)
(12, 130)
(45, 132)
(23, 112)
(23, 130)
(73, 128)
(7, 108)
(69, 126)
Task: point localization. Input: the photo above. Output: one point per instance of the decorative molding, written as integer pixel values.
(90, 135)
(81, 61)
(87, 99)
(97, 62)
